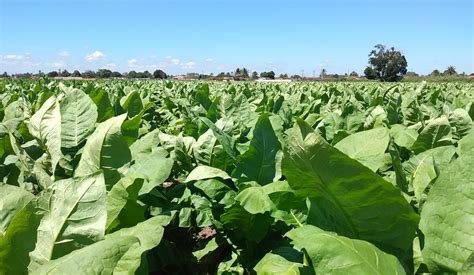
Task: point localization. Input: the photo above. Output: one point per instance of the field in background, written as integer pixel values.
(183, 177)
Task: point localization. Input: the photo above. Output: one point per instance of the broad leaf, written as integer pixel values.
(12, 200)
(78, 117)
(367, 147)
(345, 196)
(403, 136)
(206, 172)
(436, 133)
(45, 125)
(333, 254)
(105, 150)
(446, 218)
(99, 258)
(53, 224)
(259, 163)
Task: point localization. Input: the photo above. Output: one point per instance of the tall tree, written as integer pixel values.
(116, 74)
(450, 71)
(53, 74)
(76, 73)
(245, 73)
(323, 73)
(354, 74)
(270, 74)
(89, 74)
(65, 73)
(159, 74)
(370, 73)
(104, 73)
(387, 64)
(254, 75)
(435, 73)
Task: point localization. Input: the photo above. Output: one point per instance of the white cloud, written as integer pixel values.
(209, 60)
(63, 54)
(153, 56)
(189, 65)
(12, 57)
(97, 55)
(168, 57)
(132, 62)
(57, 64)
(175, 61)
(110, 66)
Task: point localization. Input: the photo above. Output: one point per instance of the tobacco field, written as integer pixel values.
(189, 177)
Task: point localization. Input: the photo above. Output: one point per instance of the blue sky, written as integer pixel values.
(212, 36)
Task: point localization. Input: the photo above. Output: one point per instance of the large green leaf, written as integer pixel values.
(403, 136)
(146, 144)
(102, 101)
(250, 227)
(123, 209)
(149, 234)
(204, 148)
(153, 167)
(460, 120)
(466, 144)
(447, 217)
(78, 117)
(333, 254)
(436, 133)
(99, 258)
(206, 172)
(132, 103)
(45, 125)
(68, 215)
(12, 200)
(105, 150)
(345, 196)
(283, 260)
(259, 163)
(367, 147)
(227, 142)
(424, 167)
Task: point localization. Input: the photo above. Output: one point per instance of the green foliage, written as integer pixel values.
(386, 64)
(166, 177)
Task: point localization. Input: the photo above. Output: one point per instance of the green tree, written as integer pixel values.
(450, 71)
(89, 74)
(5, 74)
(354, 74)
(76, 73)
(116, 74)
(53, 74)
(387, 64)
(254, 75)
(132, 74)
(370, 73)
(323, 73)
(435, 73)
(159, 74)
(245, 73)
(270, 74)
(146, 74)
(65, 73)
(104, 73)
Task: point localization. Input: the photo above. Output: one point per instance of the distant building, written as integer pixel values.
(69, 78)
(263, 79)
(179, 77)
